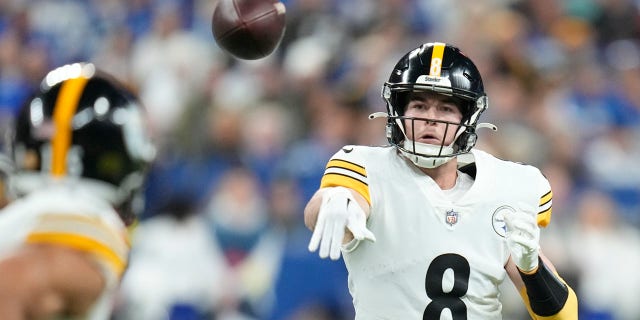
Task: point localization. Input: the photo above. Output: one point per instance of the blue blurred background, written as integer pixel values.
(244, 143)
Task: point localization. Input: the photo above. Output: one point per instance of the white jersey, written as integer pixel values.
(74, 219)
(433, 258)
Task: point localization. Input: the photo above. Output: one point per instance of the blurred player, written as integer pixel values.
(80, 150)
(6, 167)
(446, 223)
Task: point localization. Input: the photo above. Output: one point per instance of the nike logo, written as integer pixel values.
(347, 150)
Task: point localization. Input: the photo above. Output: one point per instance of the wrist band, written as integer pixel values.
(547, 294)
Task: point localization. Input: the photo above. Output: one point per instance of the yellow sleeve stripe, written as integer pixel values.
(102, 253)
(546, 205)
(333, 163)
(546, 198)
(544, 217)
(86, 226)
(340, 180)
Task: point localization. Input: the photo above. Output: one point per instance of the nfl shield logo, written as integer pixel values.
(452, 217)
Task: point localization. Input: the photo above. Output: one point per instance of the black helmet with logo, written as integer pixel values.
(443, 69)
(85, 126)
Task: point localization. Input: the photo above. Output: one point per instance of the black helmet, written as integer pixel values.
(440, 68)
(83, 126)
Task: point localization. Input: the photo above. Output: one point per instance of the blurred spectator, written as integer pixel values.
(172, 268)
(169, 64)
(608, 161)
(217, 264)
(605, 251)
(113, 54)
(266, 134)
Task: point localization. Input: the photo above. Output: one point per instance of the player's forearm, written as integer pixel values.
(11, 310)
(25, 290)
(312, 209)
(548, 296)
(47, 281)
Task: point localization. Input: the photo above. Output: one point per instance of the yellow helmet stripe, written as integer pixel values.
(66, 105)
(436, 59)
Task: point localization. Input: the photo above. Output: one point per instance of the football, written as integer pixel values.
(248, 29)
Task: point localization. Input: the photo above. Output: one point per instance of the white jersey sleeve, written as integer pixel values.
(74, 220)
(347, 168)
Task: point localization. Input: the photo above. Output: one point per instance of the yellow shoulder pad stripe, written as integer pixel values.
(102, 253)
(337, 180)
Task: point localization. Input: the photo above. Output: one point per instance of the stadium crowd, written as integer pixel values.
(243, 144)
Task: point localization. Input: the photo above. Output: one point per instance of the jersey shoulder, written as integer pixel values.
(362, 154)
(520, 180)
(349, 167)
(66, 219)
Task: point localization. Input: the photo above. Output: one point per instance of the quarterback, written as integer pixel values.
(429, 227)
(80, 151)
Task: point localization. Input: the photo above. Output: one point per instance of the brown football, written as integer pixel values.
(248, 29)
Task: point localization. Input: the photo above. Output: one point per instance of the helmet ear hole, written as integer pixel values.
(393, 132)
(471, 139)
(466, 141)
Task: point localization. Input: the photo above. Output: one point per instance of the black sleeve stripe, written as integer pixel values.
(346, 176)
(545, 211)
(346, 171)
(333, 161)
(545, 203)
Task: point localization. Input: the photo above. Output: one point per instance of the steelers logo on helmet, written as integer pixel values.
(85, 127)
(442, 69)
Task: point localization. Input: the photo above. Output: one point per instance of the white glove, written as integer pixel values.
(339, 209)
(523, 238)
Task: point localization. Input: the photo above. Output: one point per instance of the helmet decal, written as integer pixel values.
(436, 59)
(65, 108)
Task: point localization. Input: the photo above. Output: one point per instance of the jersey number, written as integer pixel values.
(441, 300)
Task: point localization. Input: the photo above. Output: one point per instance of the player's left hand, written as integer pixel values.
(523, 238)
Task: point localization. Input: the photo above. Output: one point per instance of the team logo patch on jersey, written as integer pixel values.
(451, 217)
(497, 220)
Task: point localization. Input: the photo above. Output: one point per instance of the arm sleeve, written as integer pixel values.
(567, 311)
(546, 295)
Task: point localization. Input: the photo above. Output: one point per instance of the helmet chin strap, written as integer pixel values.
(420, 150)
(420, 153)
